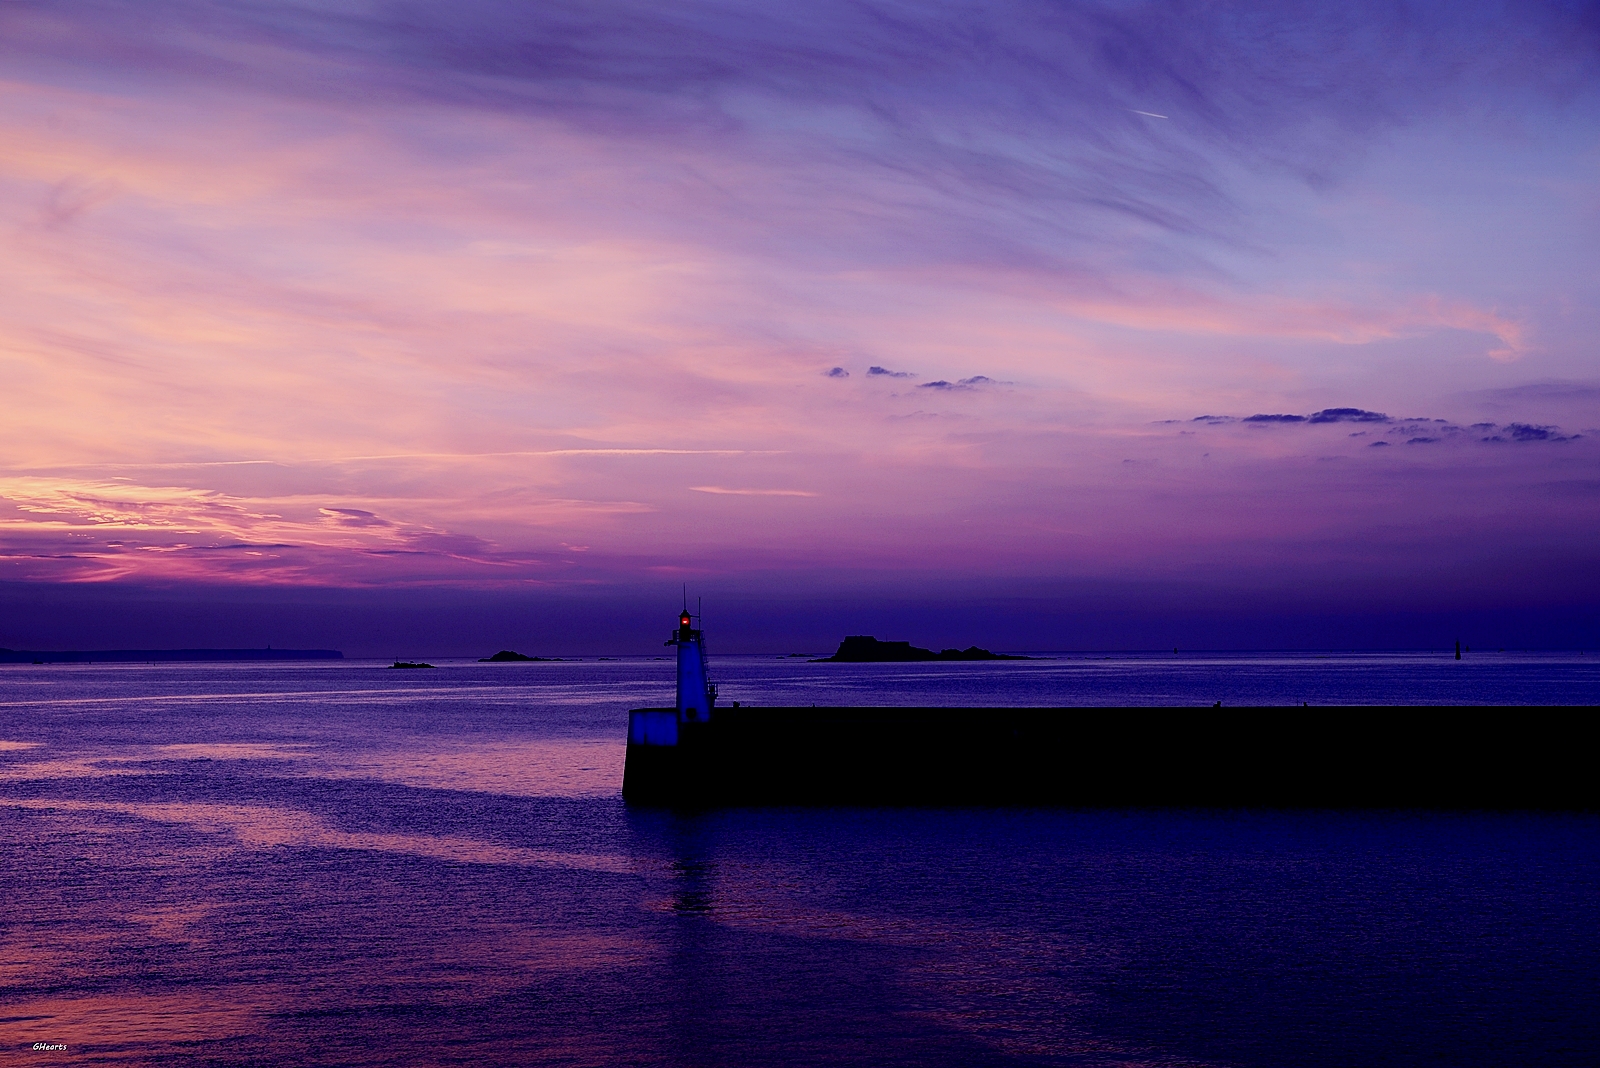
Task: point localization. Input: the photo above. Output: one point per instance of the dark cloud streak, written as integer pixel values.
(1417, 431)
(1347, 415)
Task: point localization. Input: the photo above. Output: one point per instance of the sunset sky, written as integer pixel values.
(419, 327)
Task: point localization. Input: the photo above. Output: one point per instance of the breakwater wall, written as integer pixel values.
(1470, 757)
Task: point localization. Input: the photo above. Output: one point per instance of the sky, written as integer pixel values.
(403, 326)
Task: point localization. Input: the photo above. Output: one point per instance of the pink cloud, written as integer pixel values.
(278, 339)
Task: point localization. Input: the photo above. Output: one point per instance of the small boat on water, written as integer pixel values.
(698, 754)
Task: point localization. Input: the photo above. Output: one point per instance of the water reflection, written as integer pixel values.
(131, 1027)
(766, 963)
(546, 767)
(269, 827)
(444, 876)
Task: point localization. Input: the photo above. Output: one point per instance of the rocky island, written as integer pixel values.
(506, 656)
(865, 649)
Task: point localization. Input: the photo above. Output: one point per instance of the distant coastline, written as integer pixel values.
(865, 649)
(109, 656)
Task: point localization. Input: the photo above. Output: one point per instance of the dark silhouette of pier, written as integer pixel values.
(1341, 757)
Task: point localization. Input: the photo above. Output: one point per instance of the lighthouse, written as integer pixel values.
(695, 694)
(657, 729)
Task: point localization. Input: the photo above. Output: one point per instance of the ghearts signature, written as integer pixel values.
(50, 1045)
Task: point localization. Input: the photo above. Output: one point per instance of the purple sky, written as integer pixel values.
(482, 324)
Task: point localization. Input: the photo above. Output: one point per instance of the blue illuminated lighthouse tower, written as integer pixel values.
(654, 734)
(695, 694)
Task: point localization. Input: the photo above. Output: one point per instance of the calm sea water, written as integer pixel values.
(343, 864)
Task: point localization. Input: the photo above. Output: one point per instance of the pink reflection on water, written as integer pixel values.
(180, 892)
(554, 767)
(128, 1026)
(551, 767)
(82, 767)
(268, 827)
(230, 751)
(439, 965)
(134, 761)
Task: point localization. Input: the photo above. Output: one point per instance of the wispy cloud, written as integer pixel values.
(388, 292)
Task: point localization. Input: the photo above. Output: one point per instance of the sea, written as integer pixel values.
(339, 863)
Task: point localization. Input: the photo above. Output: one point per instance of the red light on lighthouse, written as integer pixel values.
(683, 620)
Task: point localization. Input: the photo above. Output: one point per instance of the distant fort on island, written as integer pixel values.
(865, 649)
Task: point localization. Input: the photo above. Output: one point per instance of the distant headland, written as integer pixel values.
(111, 656)
(865, 649)
(506, 656)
